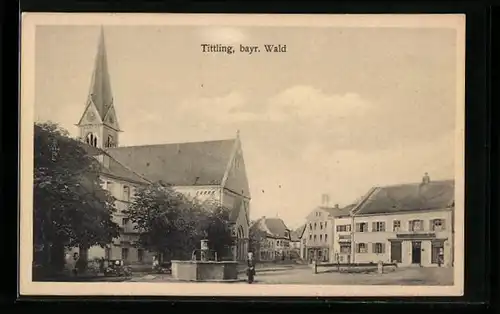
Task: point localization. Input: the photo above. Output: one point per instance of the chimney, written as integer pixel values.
(336, 206)
(325, 199)
(426, 179)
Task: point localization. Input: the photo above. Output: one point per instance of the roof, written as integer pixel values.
(114, 168)
(297, 233)
(408, 197)
(274, 227)
(180, 164)
(338, 212)
(235, 213)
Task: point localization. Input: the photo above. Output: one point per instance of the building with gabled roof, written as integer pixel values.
(295, 236)
(408, 224)
(318, 238)
(205, 170)
(273, 238)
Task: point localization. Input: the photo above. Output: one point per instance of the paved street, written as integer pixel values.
(304, 275)
(402, 276)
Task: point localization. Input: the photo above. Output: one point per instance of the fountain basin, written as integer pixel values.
(205, 270)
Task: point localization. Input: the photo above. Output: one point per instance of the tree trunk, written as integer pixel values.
(83, 258)
(57, 256)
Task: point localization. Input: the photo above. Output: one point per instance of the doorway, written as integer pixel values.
(416, 252)
(437, 251)
(396, 255)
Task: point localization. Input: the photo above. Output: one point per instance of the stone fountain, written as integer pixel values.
(205, 268)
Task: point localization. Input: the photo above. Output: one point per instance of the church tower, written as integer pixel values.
(98, 125)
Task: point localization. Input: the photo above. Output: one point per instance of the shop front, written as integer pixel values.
(423, 250)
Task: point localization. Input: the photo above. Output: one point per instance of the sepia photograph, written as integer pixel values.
(242, 155)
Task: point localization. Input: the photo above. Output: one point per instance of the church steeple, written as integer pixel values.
(98, 124)
(100, 85)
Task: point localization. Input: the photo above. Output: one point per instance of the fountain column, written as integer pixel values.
(204, 250)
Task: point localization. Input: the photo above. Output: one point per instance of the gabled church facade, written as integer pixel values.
(206, 170)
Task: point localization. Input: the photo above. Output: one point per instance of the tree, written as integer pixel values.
(217, 227)
(257, 238)
(163, 219)
(172, 225)
(70, 206)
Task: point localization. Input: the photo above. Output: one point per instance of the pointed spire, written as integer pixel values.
(100, 86)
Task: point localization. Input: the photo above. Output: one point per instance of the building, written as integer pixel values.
(273, 237)
(319, 237)
(343, 235)
(409, 224)
(204, 170)
(295, 242)
(316, 237)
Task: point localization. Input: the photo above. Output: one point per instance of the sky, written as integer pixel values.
(343, 110)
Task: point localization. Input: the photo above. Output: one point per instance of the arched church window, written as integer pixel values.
(110, 141)
(91, 139)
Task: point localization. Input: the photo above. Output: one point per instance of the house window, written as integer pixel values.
(124, 221)
(416, 225)
(321, 237)
(343, 228)
(437, 225)
(140, 255)
(345, 248)
(125, 253)
(310, 237)
(310, 227)
(325, 224)
(326, 237)
(361, 248)
(378, 226)
(378, 248)
(126, 193)
(321, 225)
(314, 237)
(396, 225)
(362, 227)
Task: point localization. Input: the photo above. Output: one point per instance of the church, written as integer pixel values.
(204, 170)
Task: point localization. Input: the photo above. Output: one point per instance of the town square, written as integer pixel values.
(173, 170)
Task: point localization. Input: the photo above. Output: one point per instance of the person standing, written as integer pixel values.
(155, 262)
(101, 265)
(250, 267)
(76, 259)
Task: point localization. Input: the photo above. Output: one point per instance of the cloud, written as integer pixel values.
(306, 102)
(222, 109)
(222, 35)
(405, 162)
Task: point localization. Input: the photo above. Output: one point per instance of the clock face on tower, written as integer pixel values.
(91, 116)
